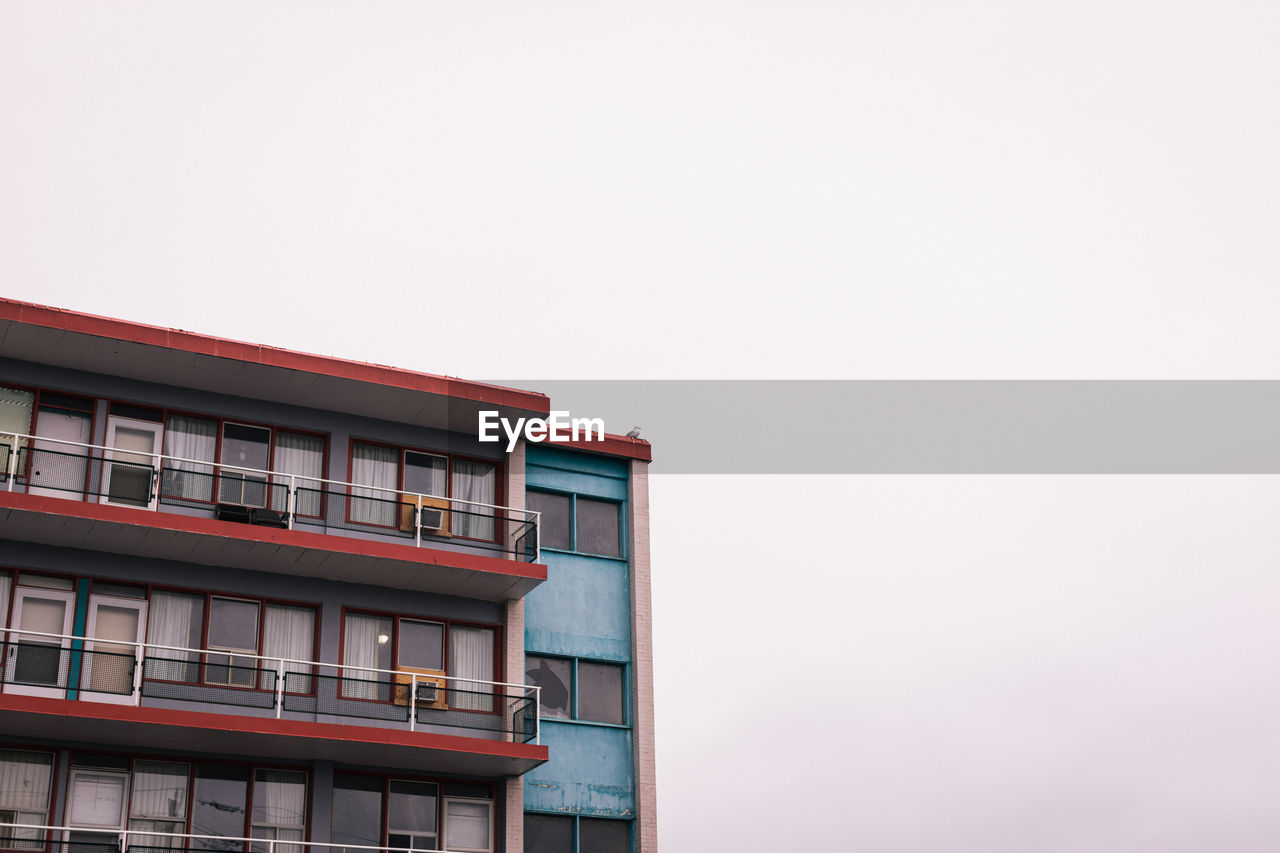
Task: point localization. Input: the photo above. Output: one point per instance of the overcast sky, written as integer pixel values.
(762, 190)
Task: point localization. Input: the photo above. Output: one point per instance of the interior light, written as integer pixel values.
(382, 639)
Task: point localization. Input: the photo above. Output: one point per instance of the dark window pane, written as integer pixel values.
(218, 806)
(426, 474)
(598, 527)
(411, 808)
(600, 692)
(357, 810)
(545, 833)
(233, 624)
(552, 675)
(421, 644)
(603, 836)
(555, 518)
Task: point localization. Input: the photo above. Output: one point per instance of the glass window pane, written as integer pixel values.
(24, 780)
(421, 644)
(471, 656)
(233, 624)
(97, 799)
(357, 810)
(411, 808)
(554, 520)
(544, 833)
(15, 416)
(473, 482)
(603, 836)
(303, 457)
(218, 806)
(598, 527)
(159, 790)
(426, 474)
(245, 446)
(466, 825)
(600, 692)
(552, 675)
(279, 798)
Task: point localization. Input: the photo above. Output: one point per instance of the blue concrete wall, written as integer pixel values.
(584, 611)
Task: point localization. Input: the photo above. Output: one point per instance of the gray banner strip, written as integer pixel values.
(938, 427)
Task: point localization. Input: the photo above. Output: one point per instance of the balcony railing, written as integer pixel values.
(66, 666)
(43, 838)
(254, 496)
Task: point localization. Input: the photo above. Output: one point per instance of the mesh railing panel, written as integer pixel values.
(50, 666)
(80, 474)
(479, 528)
(210, 682)
(481, 708)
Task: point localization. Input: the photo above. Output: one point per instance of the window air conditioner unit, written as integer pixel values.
(432, 518)
(428, 693)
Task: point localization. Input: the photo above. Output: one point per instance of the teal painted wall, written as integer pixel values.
(589, 772)
(583, 610)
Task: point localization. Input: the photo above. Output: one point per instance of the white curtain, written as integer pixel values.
(158, 804)
(359, 650)
(189, 438)
(473, 481)
(466, 825)
(374, 466)
(280, 807)
(301, 456)
(169, 624)
(15, 416)
(471, 656)
(288, 632)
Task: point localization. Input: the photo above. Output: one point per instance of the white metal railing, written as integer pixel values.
(293, 482)
(359, 673)
(19, 843)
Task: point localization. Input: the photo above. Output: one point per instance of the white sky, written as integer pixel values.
(761, 190)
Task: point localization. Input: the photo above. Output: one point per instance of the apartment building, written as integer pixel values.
(262, 601)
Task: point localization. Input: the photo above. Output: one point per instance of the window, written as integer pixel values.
(555, 518)
(369, 642)
(159, 803)
(555, 834)
(176, 620)
(384, 474)
(279, 809)
(25, 782)
(578, 523)
(591, 691)
(468, 825)
(233, 627)
(411, 815)
(357, 810)
(418, 813)
(192, 442)
(218, 807)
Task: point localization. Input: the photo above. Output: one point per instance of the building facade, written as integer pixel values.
(261, 601)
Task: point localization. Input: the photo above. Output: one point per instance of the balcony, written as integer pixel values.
(42, 838)
(249, 704)
(152, 505)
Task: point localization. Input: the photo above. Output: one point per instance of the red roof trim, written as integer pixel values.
(360, 371)
(614, 445)
(152, 519)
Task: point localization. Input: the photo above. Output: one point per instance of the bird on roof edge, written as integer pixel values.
(634, 433)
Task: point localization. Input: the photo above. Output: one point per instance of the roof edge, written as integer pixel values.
(178, 339)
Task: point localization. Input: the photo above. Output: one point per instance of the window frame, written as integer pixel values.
(575, 836)
(574, 715)
(573, 522)
(206, 615)
(499, 480)
(441, 783)
(445, 649)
